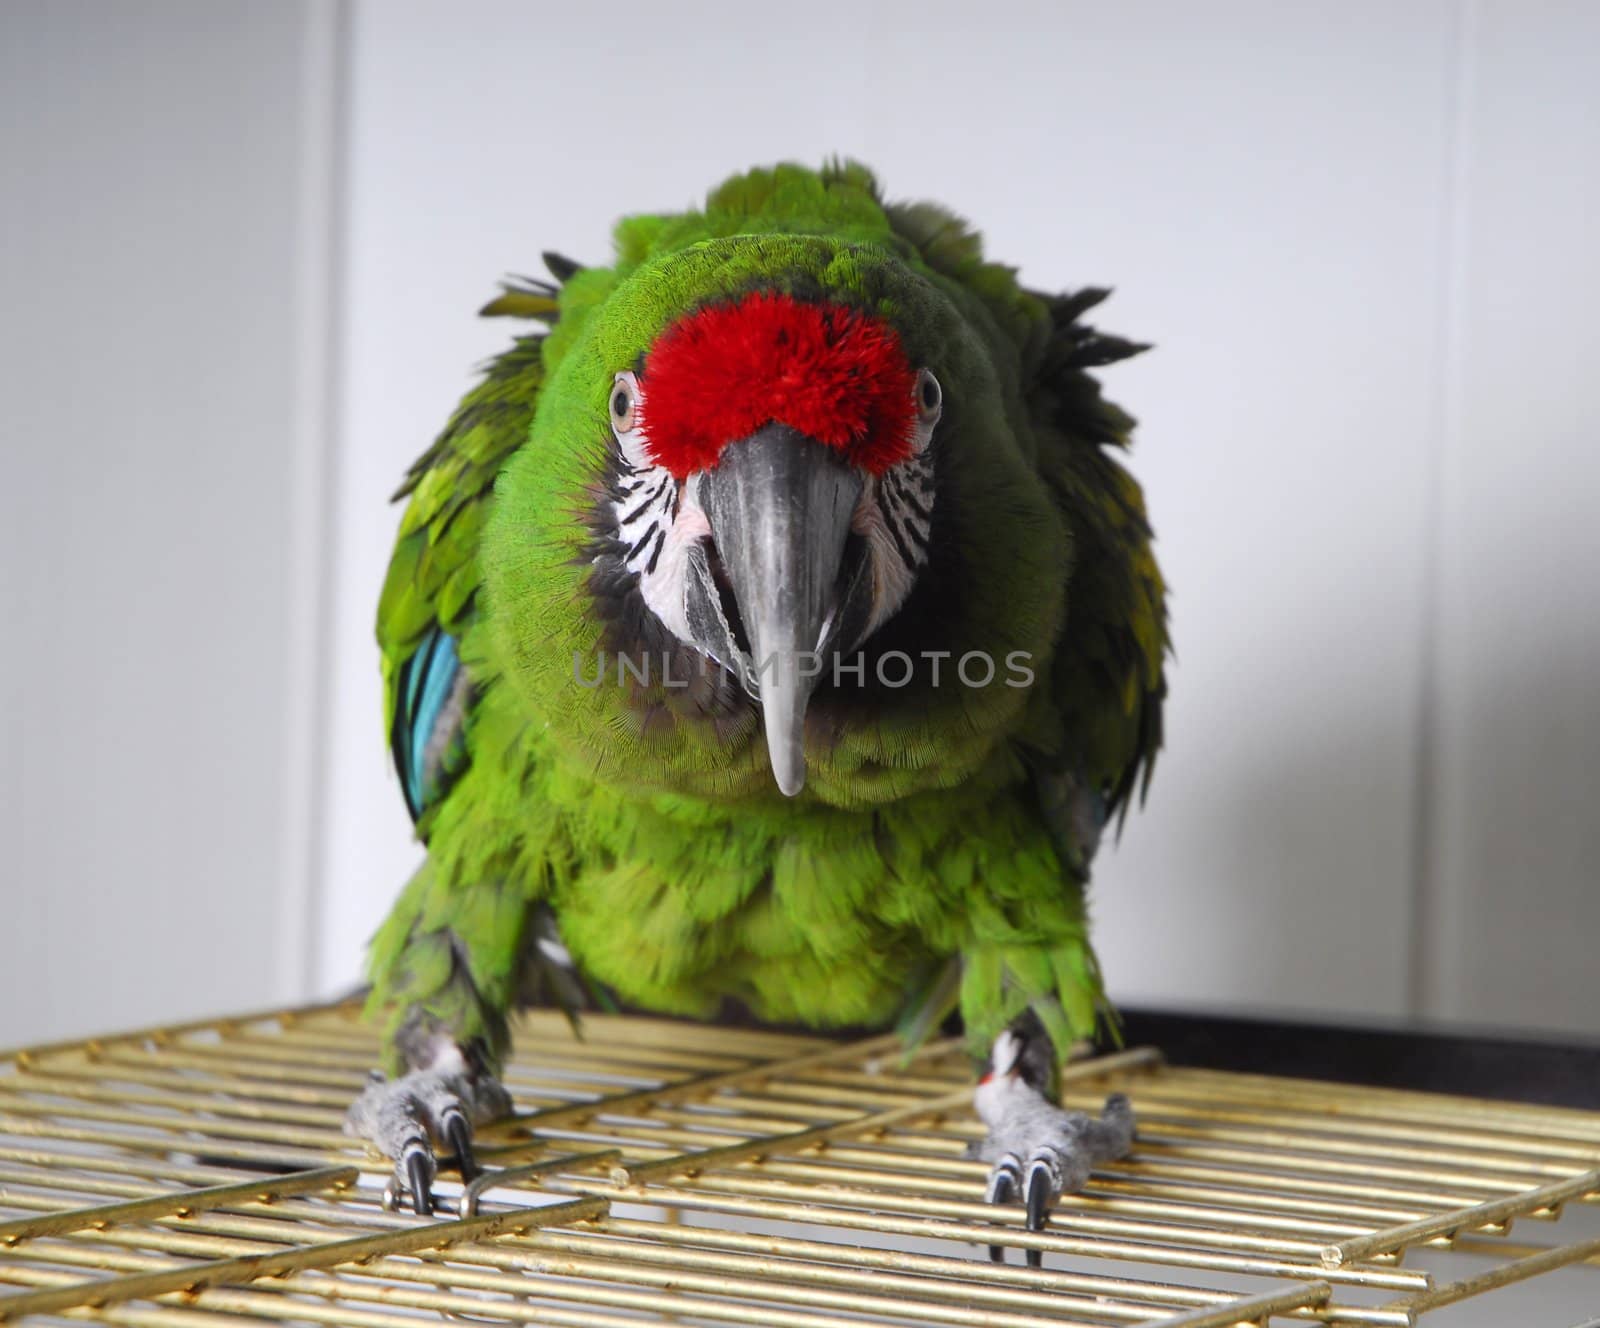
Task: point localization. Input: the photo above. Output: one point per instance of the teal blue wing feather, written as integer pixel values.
(430, 593)
(418, 968)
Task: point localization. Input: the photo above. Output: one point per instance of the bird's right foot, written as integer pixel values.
(430, 1110)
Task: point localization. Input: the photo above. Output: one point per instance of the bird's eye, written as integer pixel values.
(624, 402)
(930, 399)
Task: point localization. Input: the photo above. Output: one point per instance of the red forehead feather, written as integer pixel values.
(833, 373)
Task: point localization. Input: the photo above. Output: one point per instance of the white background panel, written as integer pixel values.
(151, 331)
(1515, 885)
(1359, 235)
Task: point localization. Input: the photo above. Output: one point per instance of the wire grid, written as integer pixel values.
(661, 1172)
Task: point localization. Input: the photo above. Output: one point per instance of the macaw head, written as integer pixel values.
(783, 448)
(776, 489)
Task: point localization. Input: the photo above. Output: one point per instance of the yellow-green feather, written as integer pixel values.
(943, 829)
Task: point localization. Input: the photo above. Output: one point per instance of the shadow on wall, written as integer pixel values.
(1326, 879)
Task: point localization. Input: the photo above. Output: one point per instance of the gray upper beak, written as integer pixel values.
(780, 504)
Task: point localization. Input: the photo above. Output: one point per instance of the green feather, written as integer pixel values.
(938, 856)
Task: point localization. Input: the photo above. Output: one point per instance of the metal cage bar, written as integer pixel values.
(194, 1175)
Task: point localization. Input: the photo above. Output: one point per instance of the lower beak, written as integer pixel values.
(779, 505)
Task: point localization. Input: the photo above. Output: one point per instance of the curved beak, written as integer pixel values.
(779, 505)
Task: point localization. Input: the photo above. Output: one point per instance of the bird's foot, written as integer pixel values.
(1038, 1151)
(435, 1106)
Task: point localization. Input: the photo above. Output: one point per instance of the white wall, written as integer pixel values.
(1514, 836)
(163, 332)
(1358, 233)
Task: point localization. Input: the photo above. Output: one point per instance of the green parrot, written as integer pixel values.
(773, 629)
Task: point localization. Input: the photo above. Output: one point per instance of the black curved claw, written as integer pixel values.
(1038, 1203)
(1000, 1192)
(459, 1135)
(419, 1171)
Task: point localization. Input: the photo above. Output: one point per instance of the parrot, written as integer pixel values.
(772, 629)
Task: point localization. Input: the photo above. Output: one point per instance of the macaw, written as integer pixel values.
(775, 628)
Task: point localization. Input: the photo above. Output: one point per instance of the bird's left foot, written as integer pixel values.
(1038, 1151)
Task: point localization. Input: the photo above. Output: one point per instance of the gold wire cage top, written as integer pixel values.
(666, 1172)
